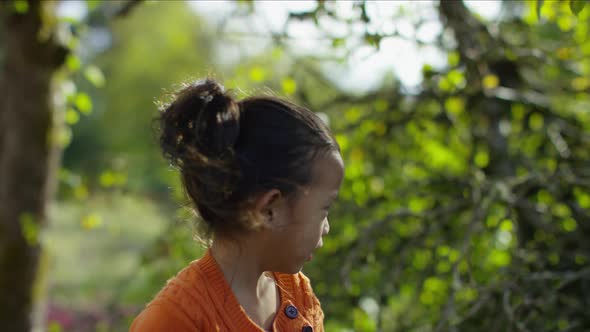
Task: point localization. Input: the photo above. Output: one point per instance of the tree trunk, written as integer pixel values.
(28, 159)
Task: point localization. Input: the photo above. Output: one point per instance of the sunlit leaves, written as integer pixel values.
(539, 6)
(72, 116)
(352, 114)
(482, 158)
(380, 129)
(536, 121)
(466, 294)
(83, 103)
(566, 22)
(455, 105)
(110, 179)
(407, 227)
(427, 70)
(518, 111)
(434, 291)
(73, 62)
(569, 224)
(80, 192)
(342, 141)
(441, 157)
(561, 210)
(289, 86)
(381, 105)
(421, 258)
(456, 78)
(91, 221)
(453, 58)
(362, 322)
(490, 81)
(499, 258)
(580, 83)
(95, 76)
(257, 74)
(583, 198)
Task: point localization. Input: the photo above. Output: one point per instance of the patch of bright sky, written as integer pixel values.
(365, 68)
(72, 9)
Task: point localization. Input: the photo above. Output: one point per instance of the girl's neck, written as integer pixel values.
(243, 269)
(241, 265)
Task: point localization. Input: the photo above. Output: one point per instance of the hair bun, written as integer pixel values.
(201, 125)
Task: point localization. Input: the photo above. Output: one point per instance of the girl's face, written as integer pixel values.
(303, 221)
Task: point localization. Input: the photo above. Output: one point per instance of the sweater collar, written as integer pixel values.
(224, 299)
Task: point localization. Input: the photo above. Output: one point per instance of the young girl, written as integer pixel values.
(262, 174)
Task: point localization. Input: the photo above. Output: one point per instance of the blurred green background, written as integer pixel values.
(464, 127)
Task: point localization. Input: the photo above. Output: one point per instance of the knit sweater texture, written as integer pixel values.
(200, 299)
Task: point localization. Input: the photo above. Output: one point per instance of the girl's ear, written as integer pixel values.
(266, 206)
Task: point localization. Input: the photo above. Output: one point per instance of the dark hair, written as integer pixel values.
(228, 151)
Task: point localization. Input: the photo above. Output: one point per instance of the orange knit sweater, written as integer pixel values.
(200, 299)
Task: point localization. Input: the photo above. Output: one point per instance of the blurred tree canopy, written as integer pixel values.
(466, 199)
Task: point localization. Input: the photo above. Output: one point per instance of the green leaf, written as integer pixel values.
(506, 225)
(92, 4)
(289, 86)
(539, 6)
(91, 221)
(107, 179)
(72, 117)
(21, 6)
(569, 225)
(373, 39)
(536, 121)
(381, 105)
(500, 258)
(257, 74)
(83, 103)
(342, 141)
(457, 78)
(482, 159)
(94, 75)
(338, 42)
(490, 81)
(453, 58)
(577, 6)
(352, 114)
(73, 62)
(455, 105)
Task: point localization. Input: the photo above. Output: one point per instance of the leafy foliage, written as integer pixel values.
(465, 202)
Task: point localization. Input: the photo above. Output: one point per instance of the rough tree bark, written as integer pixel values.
(28, 160)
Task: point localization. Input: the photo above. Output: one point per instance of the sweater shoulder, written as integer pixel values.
(178, 306)
(161, 316)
